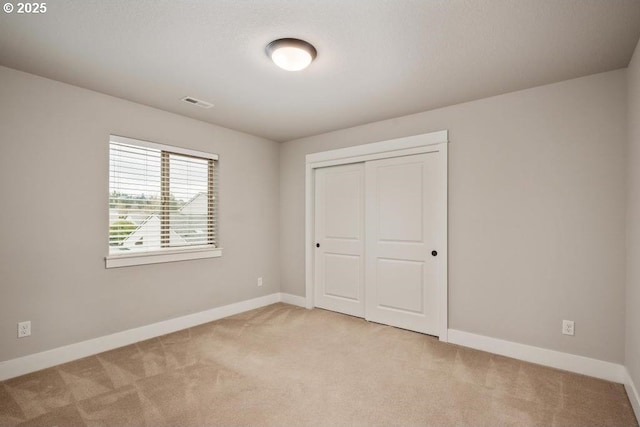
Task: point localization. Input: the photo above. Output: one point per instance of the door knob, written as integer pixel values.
(317, 245)
(434, 253)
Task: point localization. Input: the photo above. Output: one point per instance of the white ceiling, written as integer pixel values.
(377, 59)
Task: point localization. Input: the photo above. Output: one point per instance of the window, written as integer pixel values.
(162, 203)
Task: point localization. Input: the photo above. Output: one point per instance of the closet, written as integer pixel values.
(377, 232)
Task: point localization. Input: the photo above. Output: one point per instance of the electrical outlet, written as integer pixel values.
(568, 327)
(24, 329)
(259, 281)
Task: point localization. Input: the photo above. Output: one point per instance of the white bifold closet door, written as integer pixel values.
(376, 228)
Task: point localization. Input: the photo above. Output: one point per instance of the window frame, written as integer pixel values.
(169, 254)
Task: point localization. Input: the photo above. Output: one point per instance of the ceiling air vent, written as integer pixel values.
(198, 102)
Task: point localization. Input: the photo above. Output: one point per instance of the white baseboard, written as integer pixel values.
(632, 392)
(46, 359)
(293, 299)
(542, 356)
(570, 362)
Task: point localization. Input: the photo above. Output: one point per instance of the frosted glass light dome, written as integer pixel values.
(291, 54)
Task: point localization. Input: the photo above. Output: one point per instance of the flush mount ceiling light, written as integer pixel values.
(291, 54)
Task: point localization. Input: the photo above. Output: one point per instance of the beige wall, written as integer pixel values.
(536, 211)
(632, 356)
(53, 175)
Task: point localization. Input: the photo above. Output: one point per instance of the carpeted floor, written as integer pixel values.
(287, 366)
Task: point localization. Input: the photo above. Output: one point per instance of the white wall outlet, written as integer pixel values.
(568, 327)
(24, 329)
(259, 281)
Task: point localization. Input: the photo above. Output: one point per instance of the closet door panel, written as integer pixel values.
(401, 232)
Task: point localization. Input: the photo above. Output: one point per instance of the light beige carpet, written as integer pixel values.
(287, 366)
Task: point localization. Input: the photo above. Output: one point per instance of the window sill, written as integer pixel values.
(115, 261)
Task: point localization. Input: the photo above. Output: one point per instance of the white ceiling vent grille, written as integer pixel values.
(194, 101)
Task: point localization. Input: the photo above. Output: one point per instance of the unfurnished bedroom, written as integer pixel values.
(320, 213)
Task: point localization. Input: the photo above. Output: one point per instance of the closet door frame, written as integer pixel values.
(418, 144)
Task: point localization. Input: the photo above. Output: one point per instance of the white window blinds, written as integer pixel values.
(160, 198)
